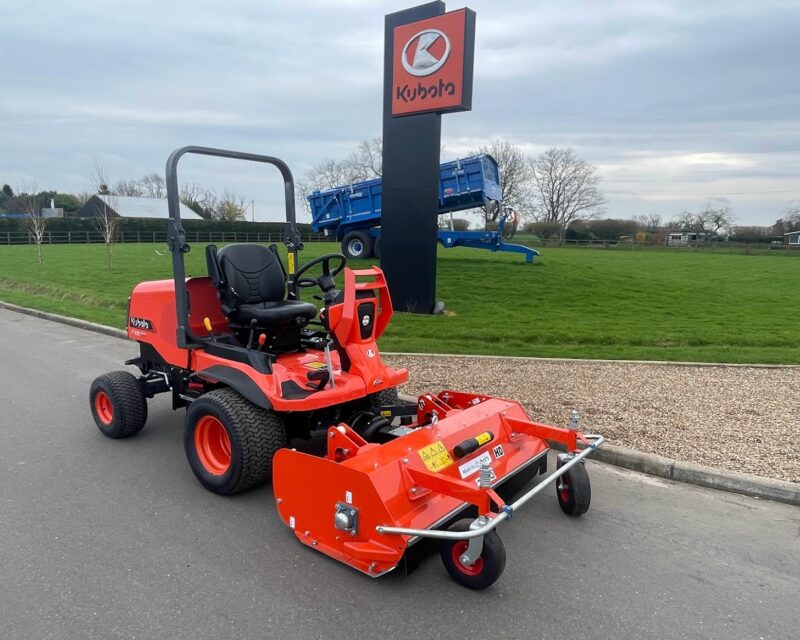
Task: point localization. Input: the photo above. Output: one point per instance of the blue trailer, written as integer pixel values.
(352, 213)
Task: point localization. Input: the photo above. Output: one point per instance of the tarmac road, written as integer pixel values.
(116, 539)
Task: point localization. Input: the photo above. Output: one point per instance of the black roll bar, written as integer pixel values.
(176, 236)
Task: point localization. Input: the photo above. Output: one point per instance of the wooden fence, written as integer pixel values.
(94, 237)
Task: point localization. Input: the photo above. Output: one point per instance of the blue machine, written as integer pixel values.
(353, 212)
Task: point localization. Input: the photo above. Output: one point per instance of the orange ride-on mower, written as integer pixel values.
(367, 477)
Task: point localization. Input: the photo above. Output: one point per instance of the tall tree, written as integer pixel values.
(231, 207)
(35, 222)
(153, 185)
(130, 188)
(107, 223)
(565, 188)
(99, 179)
(199, 200)
(515, 174)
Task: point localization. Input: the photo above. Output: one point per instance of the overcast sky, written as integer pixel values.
(676, 102)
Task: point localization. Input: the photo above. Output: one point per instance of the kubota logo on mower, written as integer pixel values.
(428, 64)
(140, 323)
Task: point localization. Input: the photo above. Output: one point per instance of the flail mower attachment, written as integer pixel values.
(365, 504)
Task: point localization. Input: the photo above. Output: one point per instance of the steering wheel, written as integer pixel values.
(325, 281)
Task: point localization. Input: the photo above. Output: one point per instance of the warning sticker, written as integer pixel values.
(315, 365)
(435, 456)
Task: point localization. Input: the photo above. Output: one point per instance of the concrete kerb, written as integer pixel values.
(655, 465)
(73, 322)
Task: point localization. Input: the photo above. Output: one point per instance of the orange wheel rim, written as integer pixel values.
(103, 407)
(213, 445)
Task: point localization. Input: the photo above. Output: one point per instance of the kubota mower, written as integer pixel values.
(368, 477)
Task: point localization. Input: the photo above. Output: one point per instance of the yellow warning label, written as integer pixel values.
(435, 456)
(315, 365)
(291, 263)
(483, 438)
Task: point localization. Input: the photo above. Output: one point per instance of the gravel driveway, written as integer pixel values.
(738, 418)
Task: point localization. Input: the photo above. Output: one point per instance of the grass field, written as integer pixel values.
(666, 305)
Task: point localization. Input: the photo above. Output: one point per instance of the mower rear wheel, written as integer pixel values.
(230, 442)
(574, 490)
(118, 403)
(485, 571)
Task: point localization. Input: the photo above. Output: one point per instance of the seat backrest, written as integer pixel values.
(252, 273)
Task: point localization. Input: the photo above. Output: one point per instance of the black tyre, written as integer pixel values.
(230, 442)
(357, 244)
(119, 406)
(384, 398)
(376, 248)
(574, 490)
(485, 571)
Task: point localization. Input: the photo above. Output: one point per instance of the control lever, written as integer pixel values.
(252, 332)
(207, 324)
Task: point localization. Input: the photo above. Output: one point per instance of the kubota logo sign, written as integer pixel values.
(420, 56)
(429, 70)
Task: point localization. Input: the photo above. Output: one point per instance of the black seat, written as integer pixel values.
(252, 282)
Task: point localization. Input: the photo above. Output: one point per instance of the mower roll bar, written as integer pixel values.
(176, 236)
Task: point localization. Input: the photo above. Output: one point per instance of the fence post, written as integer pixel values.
(8, 238)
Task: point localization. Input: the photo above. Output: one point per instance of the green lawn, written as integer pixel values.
(592, 303)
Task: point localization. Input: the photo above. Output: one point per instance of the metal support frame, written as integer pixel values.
(493, 520)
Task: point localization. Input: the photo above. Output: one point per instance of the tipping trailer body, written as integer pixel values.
(467, 183)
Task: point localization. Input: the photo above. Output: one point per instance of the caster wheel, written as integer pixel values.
(485, 571)
(574, 490)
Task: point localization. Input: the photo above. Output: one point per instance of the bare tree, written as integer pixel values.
(367, 160)
(231, 207)
(515, 174)
(565, 188)
(651, 222)
(107, 223)
(363, 164)
(130, 188)
(99, 179)
(710, 221)
(790, 220)
(35, 221)
(714, 220)
(199, 200)
(153, 185)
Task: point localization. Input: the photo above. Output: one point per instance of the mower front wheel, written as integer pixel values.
(230, 442)
(574, 490)
(118, 403)
(482, 573)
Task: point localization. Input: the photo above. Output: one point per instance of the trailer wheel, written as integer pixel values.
(376, 248)
(485, 571)
(357, 244)
(574, 490)
(118, 403)
(230, 442)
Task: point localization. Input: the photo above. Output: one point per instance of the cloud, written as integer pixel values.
(675, 101)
